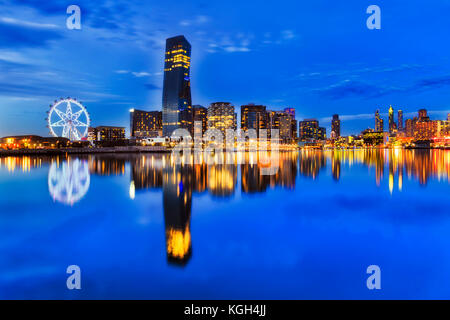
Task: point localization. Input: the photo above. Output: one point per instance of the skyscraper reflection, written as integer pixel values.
(178, 183)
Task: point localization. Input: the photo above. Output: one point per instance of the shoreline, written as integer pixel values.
(158, 149)
(51, 152)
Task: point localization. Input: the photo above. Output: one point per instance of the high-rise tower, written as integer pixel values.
(379, 125)
(391, 120)
(336, 126)
(177, 102)
(400, 120)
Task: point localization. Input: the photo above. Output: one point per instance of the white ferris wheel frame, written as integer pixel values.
(69, 120)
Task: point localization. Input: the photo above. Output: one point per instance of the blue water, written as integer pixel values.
(142, 228)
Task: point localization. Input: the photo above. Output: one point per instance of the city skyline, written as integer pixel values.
(279, 67)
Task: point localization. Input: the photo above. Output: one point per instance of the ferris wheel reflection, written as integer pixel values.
(68, 181)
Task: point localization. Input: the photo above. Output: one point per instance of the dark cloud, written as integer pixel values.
(151, 86)
(19, 36)
(434, 83)
(350, 88)
(100, 14)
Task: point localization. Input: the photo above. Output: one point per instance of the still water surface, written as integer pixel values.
(141, 227)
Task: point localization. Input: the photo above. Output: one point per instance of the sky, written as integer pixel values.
(318, 57)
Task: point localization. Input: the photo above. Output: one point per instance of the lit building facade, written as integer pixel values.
(281, 121)
(201, 115)
(410, 125)
(177, 102)
(294, 126)
(336, 126)
(379, 125)
(254, 117)
(221, 116)
(145, 124)
(392, 125)
(309, 130)
(108, 133)
(424, 128)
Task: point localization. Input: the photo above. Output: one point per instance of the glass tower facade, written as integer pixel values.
(177, 102)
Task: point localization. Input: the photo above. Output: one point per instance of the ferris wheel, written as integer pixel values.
(68, 118)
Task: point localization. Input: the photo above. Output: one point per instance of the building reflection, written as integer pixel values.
(311, 162)
(336, 164)
(222, 179)
(69, 178)
(146, 172)
(107, 165)
(178, 182)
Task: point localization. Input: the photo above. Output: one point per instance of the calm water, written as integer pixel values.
(141, 227)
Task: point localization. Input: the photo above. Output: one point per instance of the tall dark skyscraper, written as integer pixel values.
(336, 126)
(177, 102)
(400, 120)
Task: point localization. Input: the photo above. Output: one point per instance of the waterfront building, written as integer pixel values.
(294, 129)
(201, 115)
(410, 126)
(372, 138)
(379, 125)
(283, 122)
(177, 102)
(33, 142)
(108, 133)
(423, 115)
(336, 126)
(309, 130)
(254, 117)
(221, 116)
(424, 128)
(145, 124)
(443, 128)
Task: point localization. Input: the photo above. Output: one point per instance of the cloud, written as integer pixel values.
(236, 49)
(199, 20)
(237, 43)
(26, 81)
(288, 34)
(20, 34)
(140, 74)
(27, 24)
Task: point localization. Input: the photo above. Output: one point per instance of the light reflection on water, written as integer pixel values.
(76, 184)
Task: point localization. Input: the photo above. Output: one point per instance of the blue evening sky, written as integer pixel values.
(316, 56)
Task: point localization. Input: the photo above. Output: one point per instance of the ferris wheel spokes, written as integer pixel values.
(74, 124)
